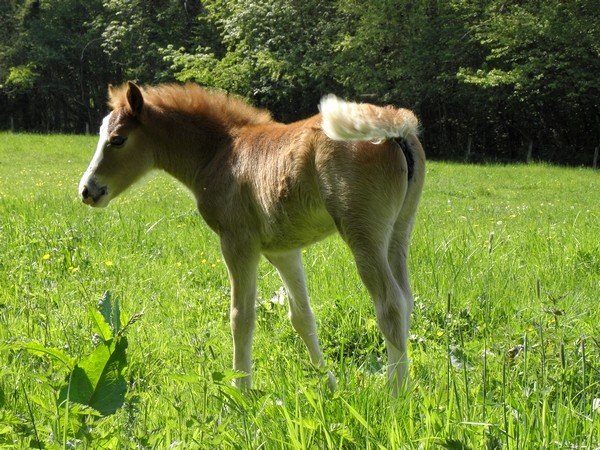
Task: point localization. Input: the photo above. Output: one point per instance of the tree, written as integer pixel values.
(44, 83)
(408, 52)
(540, 70)
(55, 67)
(274, 52)
(489, 77)
(134, 32)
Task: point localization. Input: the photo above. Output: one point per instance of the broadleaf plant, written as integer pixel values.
(97, 381)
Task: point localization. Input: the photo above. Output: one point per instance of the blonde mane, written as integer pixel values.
(195, 100)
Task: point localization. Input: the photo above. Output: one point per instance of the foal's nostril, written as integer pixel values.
(91, 192)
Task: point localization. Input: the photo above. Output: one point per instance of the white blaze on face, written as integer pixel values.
(92, 190)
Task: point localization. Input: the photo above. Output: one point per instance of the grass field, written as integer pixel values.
(505, 341)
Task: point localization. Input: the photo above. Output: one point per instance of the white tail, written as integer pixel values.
(348, 121)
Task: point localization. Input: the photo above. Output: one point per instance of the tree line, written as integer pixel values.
(500, 80)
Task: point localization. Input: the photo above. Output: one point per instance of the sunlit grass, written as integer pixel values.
(505, 266)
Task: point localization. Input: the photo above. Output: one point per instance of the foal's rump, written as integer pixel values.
(379, 146)
(383, 136)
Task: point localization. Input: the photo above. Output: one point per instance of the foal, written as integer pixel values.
(269, 188)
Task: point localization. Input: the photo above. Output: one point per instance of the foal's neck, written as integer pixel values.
(188, 143)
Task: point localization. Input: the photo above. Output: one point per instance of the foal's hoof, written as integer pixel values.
(331, 382)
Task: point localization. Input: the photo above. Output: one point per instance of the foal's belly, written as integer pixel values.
(292, 232)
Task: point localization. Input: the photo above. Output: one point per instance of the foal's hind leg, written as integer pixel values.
(400, 239)
(369, 241)
(289, 266)
(392, 308)
(398, 260)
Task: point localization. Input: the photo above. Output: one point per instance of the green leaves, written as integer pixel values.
(37, 349)
(495, 73)
(106, 318)
(97, 381)
(534, 47)
(22, 77)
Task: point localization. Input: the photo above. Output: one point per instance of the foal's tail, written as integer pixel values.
(347, 121)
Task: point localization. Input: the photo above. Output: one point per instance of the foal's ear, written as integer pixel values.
(135, 98)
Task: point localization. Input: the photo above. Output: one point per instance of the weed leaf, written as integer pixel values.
(101, 326)
(111, 312)
(97, 381)
(37, 349)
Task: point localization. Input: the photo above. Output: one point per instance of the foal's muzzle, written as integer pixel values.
(93, 194)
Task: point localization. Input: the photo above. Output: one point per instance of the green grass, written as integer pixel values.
(505, 350)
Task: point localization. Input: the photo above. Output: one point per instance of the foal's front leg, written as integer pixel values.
(242, 263)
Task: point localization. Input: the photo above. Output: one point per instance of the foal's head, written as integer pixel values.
(124, 152)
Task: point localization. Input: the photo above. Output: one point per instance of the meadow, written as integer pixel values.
(505, 348)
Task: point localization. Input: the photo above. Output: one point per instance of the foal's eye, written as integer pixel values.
(117, 141)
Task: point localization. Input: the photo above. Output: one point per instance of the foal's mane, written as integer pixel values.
(196, 101)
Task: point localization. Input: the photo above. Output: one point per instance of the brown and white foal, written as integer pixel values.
(268, 188)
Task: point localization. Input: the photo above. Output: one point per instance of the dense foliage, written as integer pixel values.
(490, 79)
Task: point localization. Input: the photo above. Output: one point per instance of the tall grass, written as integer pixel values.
(505, 265)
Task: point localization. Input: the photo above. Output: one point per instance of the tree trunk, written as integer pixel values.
(468, 152)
